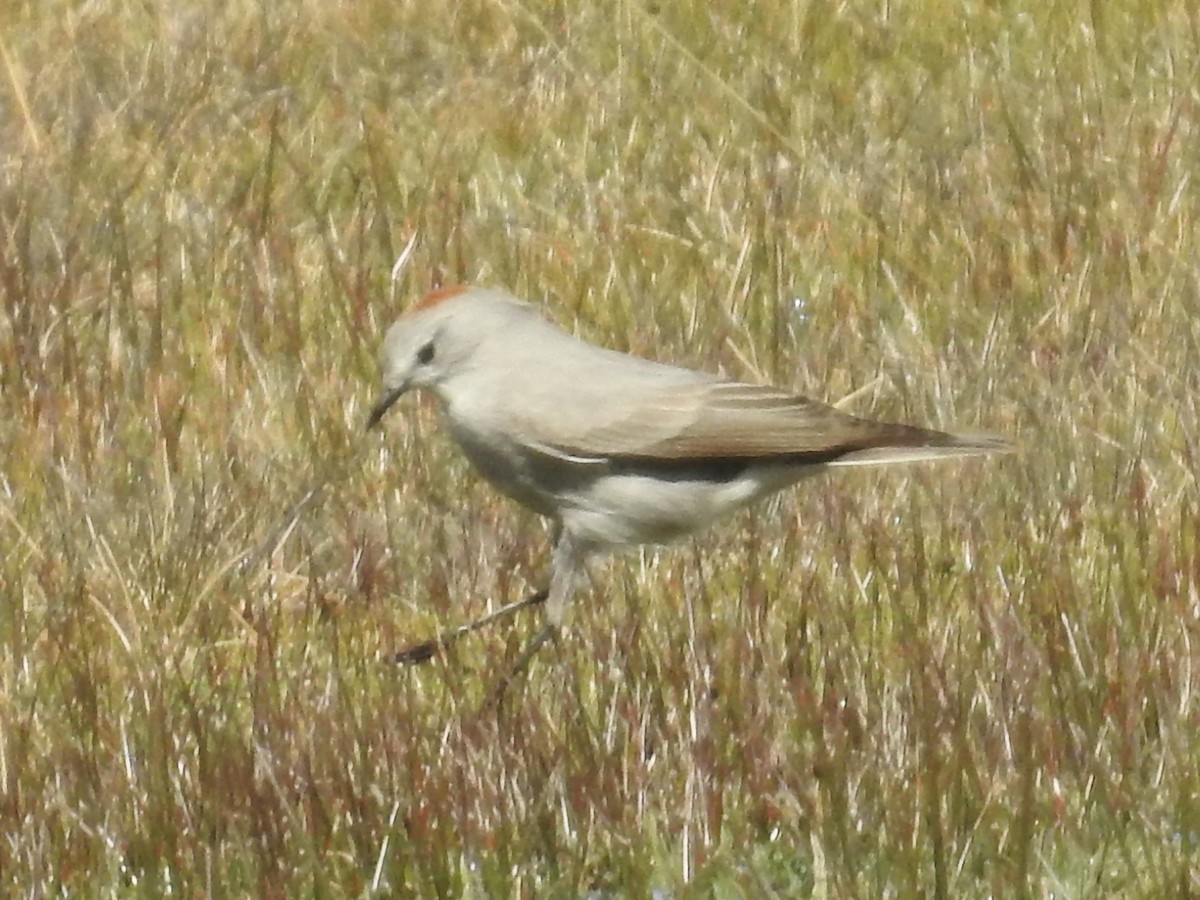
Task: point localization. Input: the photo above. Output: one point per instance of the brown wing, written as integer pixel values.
(731, 420)
(598, 405)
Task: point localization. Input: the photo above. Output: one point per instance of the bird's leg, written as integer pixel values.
(565, 568)
(544, 634)
(425, 650)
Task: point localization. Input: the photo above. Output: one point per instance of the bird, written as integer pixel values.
(617, 450)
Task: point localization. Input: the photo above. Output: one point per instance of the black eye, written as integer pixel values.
(425, 354)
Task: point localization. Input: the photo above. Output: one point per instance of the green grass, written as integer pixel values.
(972, 679)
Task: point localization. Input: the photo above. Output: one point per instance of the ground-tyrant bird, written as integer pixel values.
(619, 451)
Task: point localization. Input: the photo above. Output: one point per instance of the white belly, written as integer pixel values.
(622, 510)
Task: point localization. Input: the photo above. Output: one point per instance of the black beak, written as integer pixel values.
(382, 405)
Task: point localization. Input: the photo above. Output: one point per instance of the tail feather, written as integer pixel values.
(935, 445)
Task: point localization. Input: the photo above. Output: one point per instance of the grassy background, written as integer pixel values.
(971, 679)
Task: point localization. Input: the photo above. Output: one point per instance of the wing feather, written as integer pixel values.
(621, 407)
(735, 421)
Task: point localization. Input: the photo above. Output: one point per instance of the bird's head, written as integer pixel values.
(437, 339)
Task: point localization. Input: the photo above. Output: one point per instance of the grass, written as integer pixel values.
(972, 679)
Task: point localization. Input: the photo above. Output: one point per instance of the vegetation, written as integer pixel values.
(969, 679)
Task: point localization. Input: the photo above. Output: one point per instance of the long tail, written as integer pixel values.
(919, 444)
